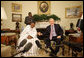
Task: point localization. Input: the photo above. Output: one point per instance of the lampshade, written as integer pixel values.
(82, 16)
(3, 14)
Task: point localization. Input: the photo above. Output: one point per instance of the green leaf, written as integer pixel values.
(44, 17)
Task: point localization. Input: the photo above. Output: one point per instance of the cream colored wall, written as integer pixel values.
(30, 6)
(57, 8)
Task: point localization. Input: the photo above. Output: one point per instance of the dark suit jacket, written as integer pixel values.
(28, 20)
(58, 30)
(78, 23)
(81, 26)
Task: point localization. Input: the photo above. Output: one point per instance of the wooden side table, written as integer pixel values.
(9, 38)
(76, 39)
(4, 40)
(67, 32)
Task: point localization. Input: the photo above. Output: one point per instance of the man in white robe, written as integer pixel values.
(30, 34)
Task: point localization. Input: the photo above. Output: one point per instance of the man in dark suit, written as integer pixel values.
(54, 33)
(79, 22)
(81, 26)
(28, 19)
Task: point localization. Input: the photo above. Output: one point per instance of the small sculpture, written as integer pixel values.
(71, 26)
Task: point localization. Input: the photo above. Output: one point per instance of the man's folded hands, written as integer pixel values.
(29, 37)
(39, 33)
(58, 36)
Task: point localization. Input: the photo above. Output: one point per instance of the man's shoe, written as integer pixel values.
(46, 47)
(52, 55)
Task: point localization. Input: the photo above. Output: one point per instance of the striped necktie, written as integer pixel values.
(51, 32)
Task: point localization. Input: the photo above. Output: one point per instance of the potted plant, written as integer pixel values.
(54, 17)
(45, 17)
(36, 17)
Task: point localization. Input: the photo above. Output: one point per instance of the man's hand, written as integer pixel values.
(58, 36)
(39, 33)
(29, 37)
(78, 29)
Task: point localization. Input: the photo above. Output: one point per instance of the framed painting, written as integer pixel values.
(16, 7)
(44, 7)
(16, 17)
(73, 12)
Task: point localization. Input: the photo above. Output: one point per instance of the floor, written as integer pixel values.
(42, 53)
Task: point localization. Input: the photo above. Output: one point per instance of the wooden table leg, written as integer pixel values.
(69, 47)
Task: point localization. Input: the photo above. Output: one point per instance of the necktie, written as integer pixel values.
(51, 32)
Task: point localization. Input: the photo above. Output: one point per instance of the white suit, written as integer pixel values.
(24, 34)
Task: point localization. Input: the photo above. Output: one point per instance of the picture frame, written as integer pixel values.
(16, 7)
(44, 7)
(16, 17)
(73, 12)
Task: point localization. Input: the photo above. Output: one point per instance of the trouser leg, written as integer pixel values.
(48, 44)
(58, 41)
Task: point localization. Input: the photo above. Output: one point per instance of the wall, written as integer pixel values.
(29, 6)
(57, 8)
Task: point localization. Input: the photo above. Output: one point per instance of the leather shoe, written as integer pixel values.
(52, 55)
